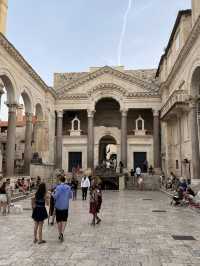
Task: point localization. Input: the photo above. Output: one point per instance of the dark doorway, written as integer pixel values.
(75, 160)
(140, 159)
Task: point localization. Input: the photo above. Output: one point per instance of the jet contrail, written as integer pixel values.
(123, 31)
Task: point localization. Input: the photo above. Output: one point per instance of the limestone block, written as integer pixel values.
(121, 183)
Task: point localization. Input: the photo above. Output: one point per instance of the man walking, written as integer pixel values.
(85, 184)
(62, 196)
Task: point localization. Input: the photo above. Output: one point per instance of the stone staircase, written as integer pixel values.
(151, 182)
(17, 196)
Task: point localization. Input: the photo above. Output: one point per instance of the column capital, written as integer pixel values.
(29, 117)
(12, 107)
(124, 112)
(155, 112)
(59, 113)
(193, 102)
(1, 88)
(90, 113)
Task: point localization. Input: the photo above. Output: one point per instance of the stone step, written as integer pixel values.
(21, 196)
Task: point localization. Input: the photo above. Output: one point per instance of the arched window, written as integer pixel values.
(139, 123)
(75, 127)
(139, 126)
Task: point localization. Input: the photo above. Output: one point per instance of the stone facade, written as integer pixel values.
(150, 115)
(108, 101)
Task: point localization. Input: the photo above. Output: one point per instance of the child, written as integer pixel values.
(95, 203)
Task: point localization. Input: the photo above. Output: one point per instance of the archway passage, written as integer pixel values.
(108, 163)
(107, 149)
(107, 113)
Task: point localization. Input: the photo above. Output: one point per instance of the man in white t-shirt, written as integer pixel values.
(85, 184)
(138, 171)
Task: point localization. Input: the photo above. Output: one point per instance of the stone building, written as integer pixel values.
(144, 115)
(179, 73)
(111, 106)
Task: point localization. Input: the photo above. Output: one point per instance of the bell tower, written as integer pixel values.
(3, 15)
(195, 10)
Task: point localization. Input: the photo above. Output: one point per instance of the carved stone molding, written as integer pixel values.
(104, 87)
(131, 95)
(149, 86)
(12, 107)
(155, 112)
(124, 112)
(59, 113)
(23, 63)
(90, 113)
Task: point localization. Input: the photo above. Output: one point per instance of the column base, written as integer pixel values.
(195, 182)
(121, 183)
(157, 171)
(125, 170)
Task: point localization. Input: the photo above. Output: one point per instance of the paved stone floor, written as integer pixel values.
(130, 234)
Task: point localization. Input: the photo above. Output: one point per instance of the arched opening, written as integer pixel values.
(7, 130)
(40, 136)
(107, 113)
(108, 163)
(107, 151)
(38, 112)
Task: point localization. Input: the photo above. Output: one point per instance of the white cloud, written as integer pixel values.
(125, 19)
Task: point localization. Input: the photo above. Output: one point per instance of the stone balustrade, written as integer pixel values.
(177, 97)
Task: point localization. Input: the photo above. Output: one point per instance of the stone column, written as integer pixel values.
(90, 146)
(11, 134)
(156, 141)
(180, 142)
(124, 137)
(194, 140)
(1, 91)
(28, 140)
(59, 134)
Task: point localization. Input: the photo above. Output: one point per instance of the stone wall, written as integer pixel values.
(45, 171)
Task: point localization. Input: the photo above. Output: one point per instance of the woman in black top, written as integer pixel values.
(39, 212)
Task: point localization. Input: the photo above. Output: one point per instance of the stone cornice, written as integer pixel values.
(177, 97)
(128, 95)
(105, 70)
(183, 53)
(23, 63)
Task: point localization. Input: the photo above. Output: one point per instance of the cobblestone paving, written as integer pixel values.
(130, 234)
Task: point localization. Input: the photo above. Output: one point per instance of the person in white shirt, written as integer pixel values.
(85, 184)
(138, 171)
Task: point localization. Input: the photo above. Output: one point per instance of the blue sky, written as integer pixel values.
(72, 35)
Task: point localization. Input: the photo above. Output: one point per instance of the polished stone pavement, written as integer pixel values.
(130, 234)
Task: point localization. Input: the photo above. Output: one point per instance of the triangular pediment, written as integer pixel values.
(106, 74)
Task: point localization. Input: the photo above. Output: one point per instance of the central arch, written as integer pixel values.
(107, 148)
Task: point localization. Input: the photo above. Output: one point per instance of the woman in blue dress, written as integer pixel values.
(39, 212)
